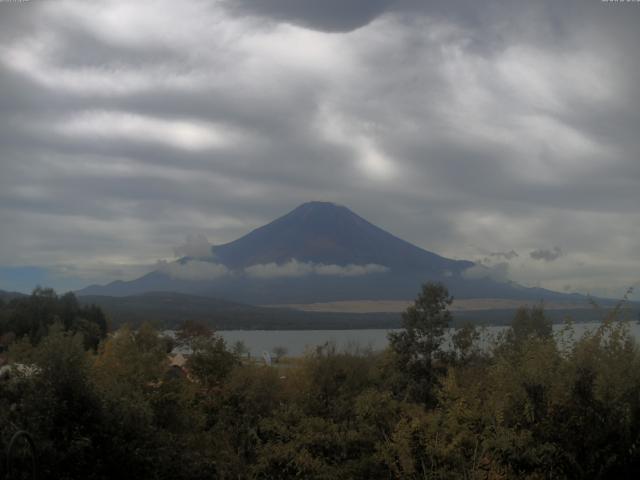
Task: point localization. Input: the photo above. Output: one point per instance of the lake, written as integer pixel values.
(298, 341)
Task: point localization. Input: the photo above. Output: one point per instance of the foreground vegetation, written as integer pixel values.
(531, 405)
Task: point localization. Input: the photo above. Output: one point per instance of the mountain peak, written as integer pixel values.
(330, 234)
(319, 216)
(319, 208)
(319, 204)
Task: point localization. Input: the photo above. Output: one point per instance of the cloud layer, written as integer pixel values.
(196, 245)
(294, 268)
(209, 270)
(192, 270)
(498, 272)
(465, 127)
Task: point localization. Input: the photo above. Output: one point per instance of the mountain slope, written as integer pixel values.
(319, 252)
(322, 232)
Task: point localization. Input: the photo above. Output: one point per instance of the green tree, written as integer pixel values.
(464, 342)
(210, 361)
(32, 317)
(417, 346)
(530, 322)
(240, 349)
(59, 405)
(279, 352)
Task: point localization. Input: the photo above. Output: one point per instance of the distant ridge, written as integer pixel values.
(169, 309)
(7, 296)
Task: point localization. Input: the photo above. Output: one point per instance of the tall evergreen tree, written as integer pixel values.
(417, 345)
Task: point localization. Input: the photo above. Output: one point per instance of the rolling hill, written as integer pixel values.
(7, 296)
(168, 310)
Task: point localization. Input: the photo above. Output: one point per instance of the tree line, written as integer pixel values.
(529, 404)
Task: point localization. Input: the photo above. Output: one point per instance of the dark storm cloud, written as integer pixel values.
(329, 15)
(349, 15)
(546, 254)
(510, 255)
(465, 127)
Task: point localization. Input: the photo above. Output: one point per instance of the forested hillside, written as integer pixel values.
(168, 310)
(532, 405)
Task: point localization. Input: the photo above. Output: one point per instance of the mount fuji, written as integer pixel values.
(319, 252)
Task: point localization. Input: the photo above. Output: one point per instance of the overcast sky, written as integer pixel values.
(491, 131)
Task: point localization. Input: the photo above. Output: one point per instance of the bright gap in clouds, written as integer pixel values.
(184, 134)
(374, 164)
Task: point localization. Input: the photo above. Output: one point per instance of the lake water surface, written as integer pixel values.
(297, 342)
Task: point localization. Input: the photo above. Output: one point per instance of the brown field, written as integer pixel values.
(394, 306)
